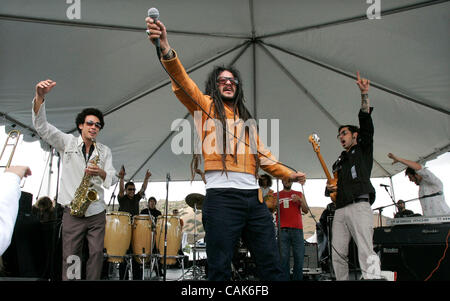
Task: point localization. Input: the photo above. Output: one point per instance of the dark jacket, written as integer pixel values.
(404, 213)
(355, 166)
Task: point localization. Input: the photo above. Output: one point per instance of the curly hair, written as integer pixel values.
(81, 117)
(43, 209)
(267, 178)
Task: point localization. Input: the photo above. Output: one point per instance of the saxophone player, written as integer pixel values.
(85, 161)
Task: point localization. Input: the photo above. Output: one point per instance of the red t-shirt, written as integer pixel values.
(291, 212)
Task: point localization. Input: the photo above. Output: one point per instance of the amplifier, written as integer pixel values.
(311, 259)
(414, 251)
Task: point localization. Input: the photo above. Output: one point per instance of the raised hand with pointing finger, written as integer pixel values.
(363, 85)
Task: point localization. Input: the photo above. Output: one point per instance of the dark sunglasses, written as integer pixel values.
(131, 189)
(97, 124)
(223, 80)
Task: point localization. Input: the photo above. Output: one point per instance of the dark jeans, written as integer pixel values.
(291, 237)
(230, 213)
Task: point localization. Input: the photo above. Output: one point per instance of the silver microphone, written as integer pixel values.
(154, 14)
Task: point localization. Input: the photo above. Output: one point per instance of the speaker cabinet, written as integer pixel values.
(414, 251)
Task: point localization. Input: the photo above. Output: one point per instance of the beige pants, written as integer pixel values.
(354, 220)
(74, 230)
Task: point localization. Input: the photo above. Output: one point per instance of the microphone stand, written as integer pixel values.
(54, 241)
(415, 199)
(380, 220)
(393, 201)
(278, 219)
(165, 226)
(113, 196)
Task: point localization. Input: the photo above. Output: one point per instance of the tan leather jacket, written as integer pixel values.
(211, 153)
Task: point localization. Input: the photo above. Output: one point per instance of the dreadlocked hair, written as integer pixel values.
(196, 159)
(239, 111)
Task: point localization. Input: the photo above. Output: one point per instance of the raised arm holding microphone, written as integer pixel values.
(233, 206)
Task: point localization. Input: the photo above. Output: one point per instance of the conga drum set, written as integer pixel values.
(143, 233)
(117, 235)
(174, 235)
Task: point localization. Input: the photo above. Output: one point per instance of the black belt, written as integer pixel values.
(358, 200)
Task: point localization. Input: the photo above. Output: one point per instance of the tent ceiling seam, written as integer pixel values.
(20, 124)
(310, 96)
(167, 82)
(354, 19)
(252, 18)
(156, 150)
(245, 46)
(255, 111)
(350, 75)
(437, 152)
(300, 86)
(7, 17)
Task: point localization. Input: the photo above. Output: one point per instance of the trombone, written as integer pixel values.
(13, 135)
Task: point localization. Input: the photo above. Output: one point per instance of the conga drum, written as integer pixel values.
(142, 240)
(173, 236)
(117, 235)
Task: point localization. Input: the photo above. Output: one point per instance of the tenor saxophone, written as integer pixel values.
(84, 195)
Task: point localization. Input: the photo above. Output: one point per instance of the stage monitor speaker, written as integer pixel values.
(311, 259)
(414, 250)
(415, 262)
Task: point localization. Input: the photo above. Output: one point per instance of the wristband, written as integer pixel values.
(169, 55)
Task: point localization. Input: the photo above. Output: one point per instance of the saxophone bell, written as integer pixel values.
(92, 195)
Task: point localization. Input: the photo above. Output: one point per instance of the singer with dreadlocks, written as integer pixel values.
(232, 154)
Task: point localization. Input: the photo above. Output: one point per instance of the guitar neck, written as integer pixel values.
(324, 166)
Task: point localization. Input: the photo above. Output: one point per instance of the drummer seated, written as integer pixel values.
(402, 211)
(151, 208)
(175, 212)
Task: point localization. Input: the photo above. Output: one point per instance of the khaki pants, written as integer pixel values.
(354, 220)
(74, 230)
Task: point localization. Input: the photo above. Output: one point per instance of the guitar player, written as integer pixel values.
(355, 193)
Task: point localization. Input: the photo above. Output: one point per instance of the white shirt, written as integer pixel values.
(9, 207)
(239, 180)
(436, 205)
(74, 162)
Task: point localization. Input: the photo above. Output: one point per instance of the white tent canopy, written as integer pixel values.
(298, 60)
